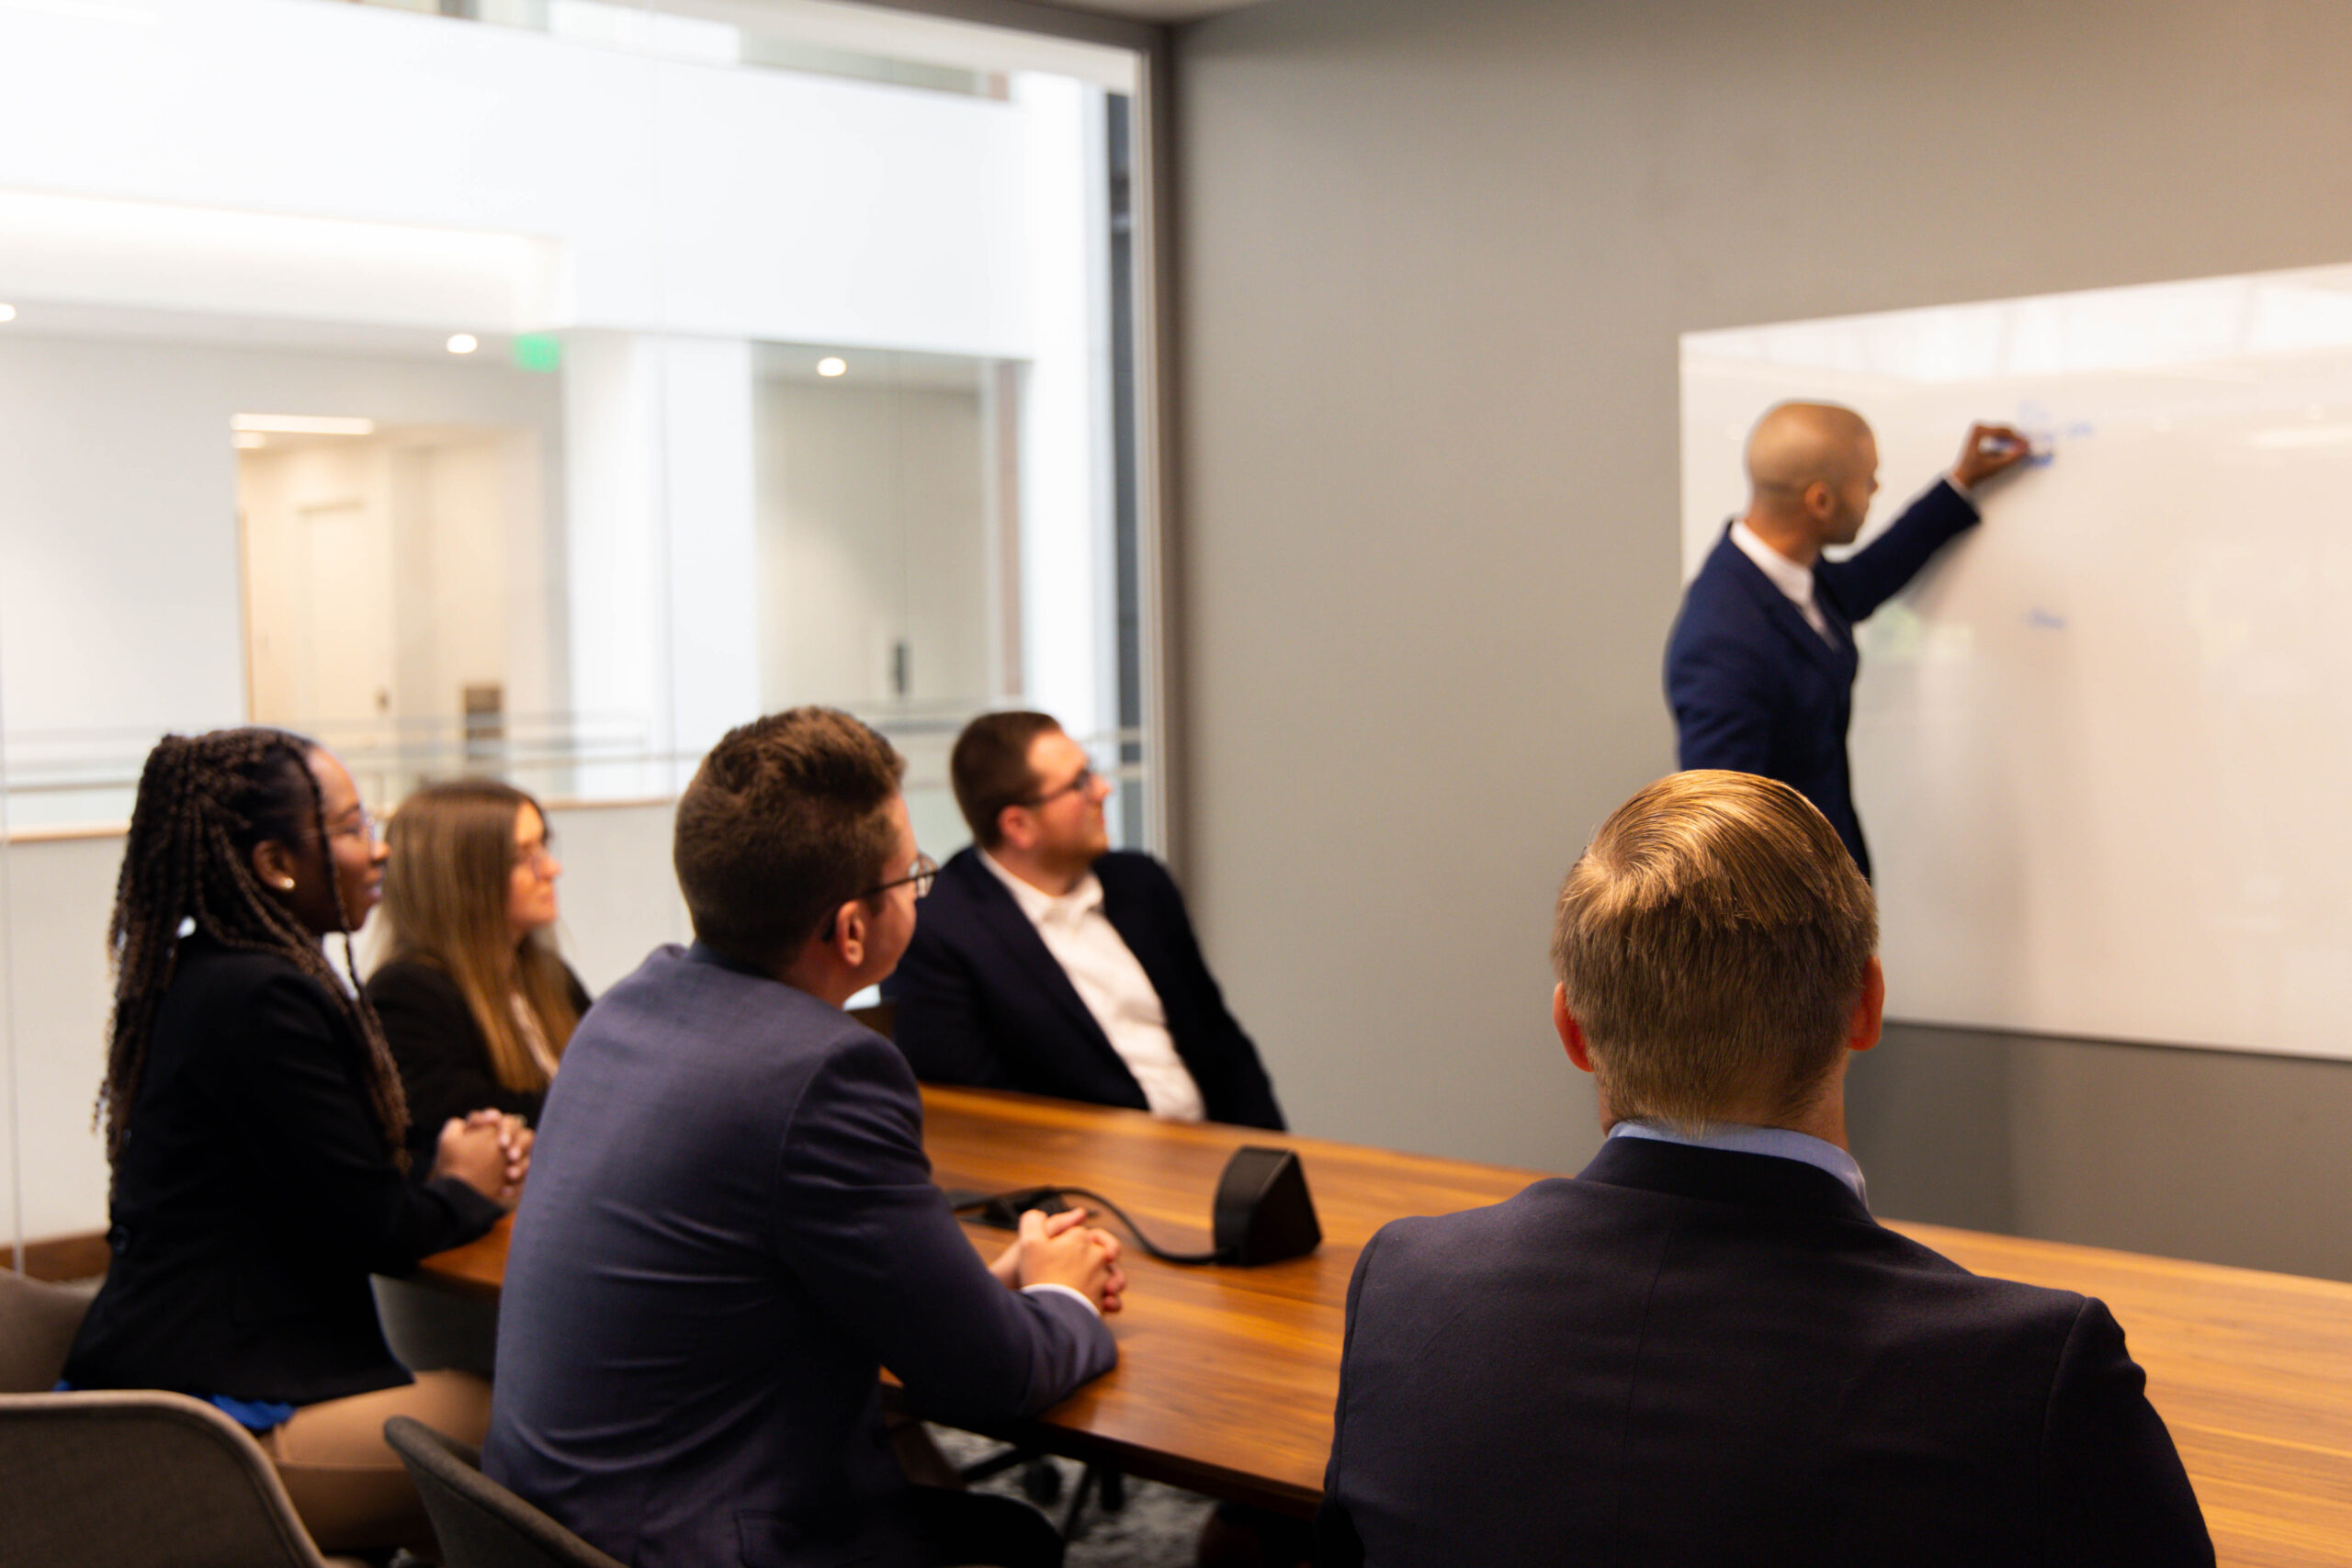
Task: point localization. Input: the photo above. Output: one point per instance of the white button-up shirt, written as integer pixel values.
(1111, 982)
(1794, 580)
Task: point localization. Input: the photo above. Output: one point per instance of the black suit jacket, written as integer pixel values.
(255, 1197)
(981, 1000)
(443, 1060)
(729, 1227)
(1755, 690)
(1691, 1356)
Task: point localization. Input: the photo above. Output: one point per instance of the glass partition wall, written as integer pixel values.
(537, 393)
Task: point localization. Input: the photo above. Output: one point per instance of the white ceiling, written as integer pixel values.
(1154, 10)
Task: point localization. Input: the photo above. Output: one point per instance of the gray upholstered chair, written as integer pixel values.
(141, 1479)
(479, 1523)
(37, 1321)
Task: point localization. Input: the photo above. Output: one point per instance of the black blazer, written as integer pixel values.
(443, 1060)
(1755, 690)
(254, 1198)
(1691, 1356)
(981, 1001)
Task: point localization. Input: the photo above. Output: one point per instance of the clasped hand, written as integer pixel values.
(490, 1151)
(1061, 1249)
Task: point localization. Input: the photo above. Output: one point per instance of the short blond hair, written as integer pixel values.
(1715, 939)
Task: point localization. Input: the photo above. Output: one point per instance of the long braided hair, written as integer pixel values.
(204, 803)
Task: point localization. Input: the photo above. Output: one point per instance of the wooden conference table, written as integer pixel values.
(1227, 1376)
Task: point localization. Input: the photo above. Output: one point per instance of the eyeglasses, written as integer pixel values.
(925, 869)
(1080, 781)
(537, 855)
(361, 827)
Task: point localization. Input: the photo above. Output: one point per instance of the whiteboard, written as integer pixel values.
(2102, 746)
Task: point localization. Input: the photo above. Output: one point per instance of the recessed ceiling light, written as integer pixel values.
(463, 343)
(832, 365)
(8, 312)
(250, 440)
(301, 424)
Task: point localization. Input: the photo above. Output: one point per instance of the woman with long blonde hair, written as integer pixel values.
(475, 1001)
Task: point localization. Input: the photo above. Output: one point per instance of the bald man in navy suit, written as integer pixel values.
(1760, 668)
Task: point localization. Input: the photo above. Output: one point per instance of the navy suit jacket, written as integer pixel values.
(730, 1228)
(1755, 690)
(981, 1000)
(1695, 1357)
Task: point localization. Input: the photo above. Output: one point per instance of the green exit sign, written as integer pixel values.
(539, 351)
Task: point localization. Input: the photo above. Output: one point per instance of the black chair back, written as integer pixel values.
(480, 1524)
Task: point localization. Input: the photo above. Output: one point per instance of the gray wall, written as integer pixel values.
(1433, 263)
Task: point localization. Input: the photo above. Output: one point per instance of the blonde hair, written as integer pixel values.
(1715, 939)
(447, 890)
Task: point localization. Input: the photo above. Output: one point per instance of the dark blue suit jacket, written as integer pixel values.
(1755, 690)
(730, 1228)
(981, 1001)
(1689, 1356)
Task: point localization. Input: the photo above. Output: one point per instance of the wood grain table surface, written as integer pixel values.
(1227, 1376)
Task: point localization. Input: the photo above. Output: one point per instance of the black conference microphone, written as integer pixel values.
(1262, 1211)
(1264, 1214)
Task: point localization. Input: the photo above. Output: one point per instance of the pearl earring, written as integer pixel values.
(286, 884)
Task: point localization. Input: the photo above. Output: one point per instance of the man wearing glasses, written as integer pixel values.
(1048, 962)
(731, 1226)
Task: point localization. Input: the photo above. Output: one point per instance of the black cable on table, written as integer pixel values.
(1011, 1204)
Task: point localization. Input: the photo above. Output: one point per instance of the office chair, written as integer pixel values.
(38, 1322)
(141, 1479)
(479, 1523)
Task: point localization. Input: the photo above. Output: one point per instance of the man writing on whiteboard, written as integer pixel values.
(1760, 670)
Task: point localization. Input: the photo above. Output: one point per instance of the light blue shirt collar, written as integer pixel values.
(1780, 1142)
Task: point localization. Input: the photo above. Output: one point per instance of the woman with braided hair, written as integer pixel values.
(256, 1126)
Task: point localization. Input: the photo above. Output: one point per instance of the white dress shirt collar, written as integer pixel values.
(1794, 581)
(1040, 906)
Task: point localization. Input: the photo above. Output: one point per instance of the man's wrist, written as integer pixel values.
(1065, 1290)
